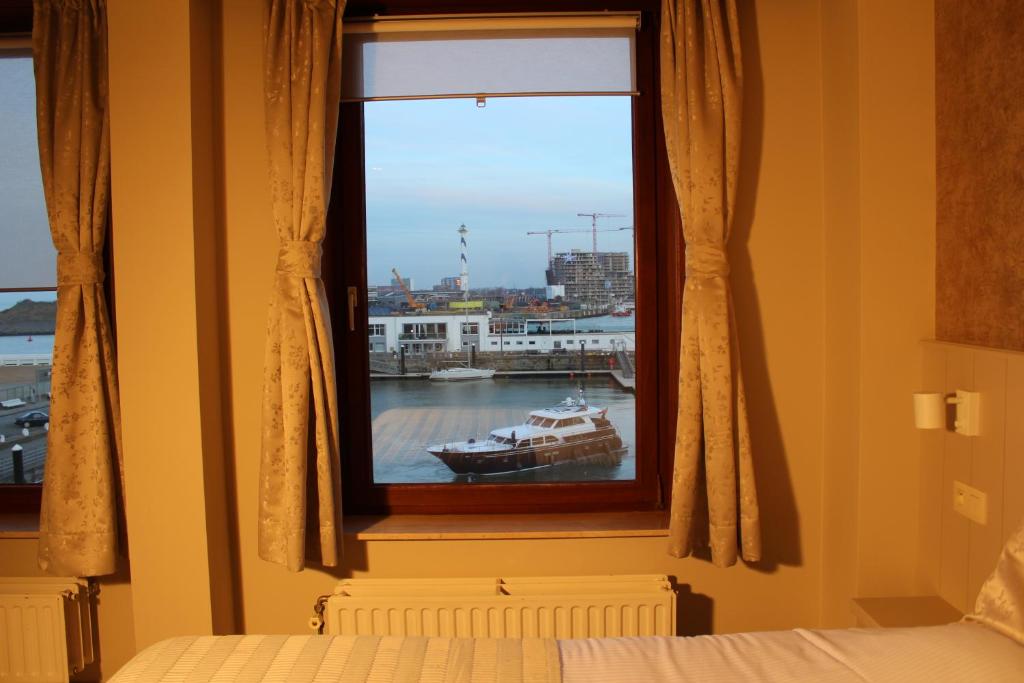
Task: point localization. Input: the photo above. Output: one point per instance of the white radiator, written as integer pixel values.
(45, 629)
(555, 607)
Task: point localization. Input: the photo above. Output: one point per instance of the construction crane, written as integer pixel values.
(593, 222)
(413, 304)
(551, 231)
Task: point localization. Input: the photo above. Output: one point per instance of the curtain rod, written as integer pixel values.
(487, 96)
(491, 22)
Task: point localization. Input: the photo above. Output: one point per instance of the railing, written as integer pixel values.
(425, 336)
(14, 359)
(625, 363)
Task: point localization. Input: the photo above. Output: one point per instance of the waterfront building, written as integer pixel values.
(440, 333)
(552, 292)
(407, 281)
(593, 280)
(449, 284)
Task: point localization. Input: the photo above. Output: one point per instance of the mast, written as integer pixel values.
(464, 283)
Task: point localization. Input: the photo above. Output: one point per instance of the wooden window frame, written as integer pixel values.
(16, 21)
(658, 289)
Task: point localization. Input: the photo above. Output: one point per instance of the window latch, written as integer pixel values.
(352, 301)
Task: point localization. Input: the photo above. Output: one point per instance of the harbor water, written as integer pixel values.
(24, 345)
(410, 414)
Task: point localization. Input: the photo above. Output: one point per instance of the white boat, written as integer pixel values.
(461, 373)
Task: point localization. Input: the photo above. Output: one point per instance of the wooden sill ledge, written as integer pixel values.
(456, 527)
(19, 525)
(511, 526)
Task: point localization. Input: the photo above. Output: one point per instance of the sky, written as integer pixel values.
(29, 255)
(519, 164)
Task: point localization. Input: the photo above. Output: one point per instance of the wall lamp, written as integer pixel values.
(930, 411)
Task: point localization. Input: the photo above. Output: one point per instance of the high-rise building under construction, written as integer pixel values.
(593, 280)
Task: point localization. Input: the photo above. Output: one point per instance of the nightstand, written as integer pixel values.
(924, 610)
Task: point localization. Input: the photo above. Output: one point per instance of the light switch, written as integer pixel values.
(970, 502)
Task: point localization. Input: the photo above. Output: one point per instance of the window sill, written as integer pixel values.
(19, 525)
(512, 526)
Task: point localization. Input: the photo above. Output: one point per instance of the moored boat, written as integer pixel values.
(572, 431)
(461, 373)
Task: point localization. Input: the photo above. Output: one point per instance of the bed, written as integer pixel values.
(988, 646)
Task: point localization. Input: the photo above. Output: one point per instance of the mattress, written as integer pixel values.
(345, 659)
(958, 652)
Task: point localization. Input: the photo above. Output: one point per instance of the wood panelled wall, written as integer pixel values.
(958, 554)
(979, 108)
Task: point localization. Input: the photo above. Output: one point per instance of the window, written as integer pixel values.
(444, 189)
(376, 329)
(27, 288)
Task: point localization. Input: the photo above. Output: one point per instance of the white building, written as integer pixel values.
(552, 292)
(438, 333)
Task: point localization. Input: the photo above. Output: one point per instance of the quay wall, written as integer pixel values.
(387, 363)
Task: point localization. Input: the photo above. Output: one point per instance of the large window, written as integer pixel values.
(519, 224)
(27, 280)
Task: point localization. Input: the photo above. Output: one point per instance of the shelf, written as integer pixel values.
(897, 612)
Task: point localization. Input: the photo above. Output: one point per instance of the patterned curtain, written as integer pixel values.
(702, 101)
(302, 79)
(81, 507)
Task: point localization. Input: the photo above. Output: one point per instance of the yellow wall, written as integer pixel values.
(833, 236)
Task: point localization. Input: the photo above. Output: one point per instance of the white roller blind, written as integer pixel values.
(424, 57)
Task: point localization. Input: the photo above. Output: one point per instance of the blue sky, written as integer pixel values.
(519, 164)
(30, 256)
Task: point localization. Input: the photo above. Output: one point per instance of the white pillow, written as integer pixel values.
(1000, 604)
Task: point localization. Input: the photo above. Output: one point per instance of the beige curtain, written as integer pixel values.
(79, 520)
(302, 79)
(702, 92)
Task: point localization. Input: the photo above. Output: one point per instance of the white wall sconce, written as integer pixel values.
(930, 411)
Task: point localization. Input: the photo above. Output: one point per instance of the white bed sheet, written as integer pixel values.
(956, 653)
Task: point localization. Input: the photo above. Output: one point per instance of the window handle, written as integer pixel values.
(353, 299)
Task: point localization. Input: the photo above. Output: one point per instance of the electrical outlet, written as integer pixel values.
(970, 502)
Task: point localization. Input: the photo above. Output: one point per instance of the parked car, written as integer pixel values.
(34, 418)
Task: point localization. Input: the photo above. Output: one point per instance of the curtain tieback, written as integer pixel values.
(299, 258)
(79, 268)
(706, 261)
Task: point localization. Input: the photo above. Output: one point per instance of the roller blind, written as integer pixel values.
(493, 56)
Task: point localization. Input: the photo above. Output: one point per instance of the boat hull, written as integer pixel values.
(603, 447)
(468, 375)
